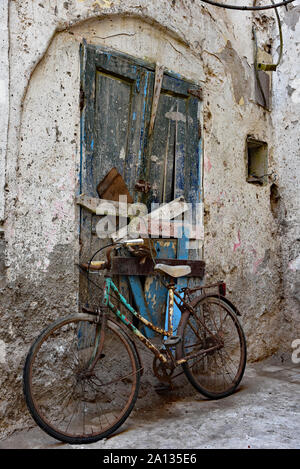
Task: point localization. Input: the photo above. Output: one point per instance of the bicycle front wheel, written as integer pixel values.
(214, 370)
(67, 398)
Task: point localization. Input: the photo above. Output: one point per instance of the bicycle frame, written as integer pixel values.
(109, 284)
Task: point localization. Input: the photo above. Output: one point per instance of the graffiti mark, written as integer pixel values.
(238, 244)
(257, 263)
(207, 163)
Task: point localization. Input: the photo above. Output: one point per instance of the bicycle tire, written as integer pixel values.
(66, 403)
(215, 374)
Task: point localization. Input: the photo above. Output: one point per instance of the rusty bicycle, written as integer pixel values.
(82, 374)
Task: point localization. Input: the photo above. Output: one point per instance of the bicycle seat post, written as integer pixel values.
(171, 288)
(171, 340)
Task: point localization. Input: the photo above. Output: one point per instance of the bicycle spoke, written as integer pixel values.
(65, 399)
(217, 372)
(71, 418)
(225, 365)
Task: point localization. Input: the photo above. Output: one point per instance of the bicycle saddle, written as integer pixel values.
(173, 270)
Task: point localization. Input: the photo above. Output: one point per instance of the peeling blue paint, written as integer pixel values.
(137, 84)
(139, 297)
(141, 149)
(155, 293)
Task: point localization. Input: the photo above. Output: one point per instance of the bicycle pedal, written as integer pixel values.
(173, 340)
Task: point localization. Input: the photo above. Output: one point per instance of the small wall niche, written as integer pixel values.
(257, 161)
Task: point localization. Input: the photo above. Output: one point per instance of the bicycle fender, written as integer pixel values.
(223, 298)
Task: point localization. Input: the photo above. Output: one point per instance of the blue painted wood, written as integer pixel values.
(140, 301)
(155, 293)
(182, 253)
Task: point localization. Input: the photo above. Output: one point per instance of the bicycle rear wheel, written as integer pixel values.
(66, 401)
(218, 372)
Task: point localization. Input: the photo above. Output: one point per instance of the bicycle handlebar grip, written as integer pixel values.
(94, 265)
(133, 242)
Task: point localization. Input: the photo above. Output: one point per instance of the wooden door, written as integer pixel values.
(116, 97)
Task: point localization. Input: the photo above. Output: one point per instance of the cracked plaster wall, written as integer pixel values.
(286, 124)
(242, 246)
(4, 98)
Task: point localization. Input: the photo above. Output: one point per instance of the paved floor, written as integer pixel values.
(263, 413)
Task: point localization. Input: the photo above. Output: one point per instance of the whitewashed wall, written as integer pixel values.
(242, 245)
(4, 97)
(286, 125)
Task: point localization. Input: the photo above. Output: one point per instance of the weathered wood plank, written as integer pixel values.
(167, 229)
(102, 206)
(133, 266)
(164, 212)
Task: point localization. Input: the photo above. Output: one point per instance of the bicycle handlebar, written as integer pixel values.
(101, 265)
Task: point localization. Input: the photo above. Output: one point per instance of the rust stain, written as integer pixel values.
(170, 310)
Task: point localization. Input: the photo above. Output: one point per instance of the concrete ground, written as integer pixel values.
(263, 413)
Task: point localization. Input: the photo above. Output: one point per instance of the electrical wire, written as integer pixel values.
(280, 32)
(280, 35)
(240, 7)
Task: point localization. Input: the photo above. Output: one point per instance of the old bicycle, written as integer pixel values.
(82, 374)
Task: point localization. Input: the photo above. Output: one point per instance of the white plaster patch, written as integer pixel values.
(2, 352)
(122, 154)
(3, 87)
(295, 264)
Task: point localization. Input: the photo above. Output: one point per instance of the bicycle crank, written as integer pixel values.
(163, 371)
